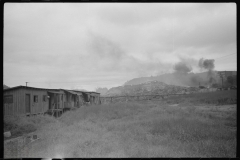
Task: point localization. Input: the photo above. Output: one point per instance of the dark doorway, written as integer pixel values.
(50, 101)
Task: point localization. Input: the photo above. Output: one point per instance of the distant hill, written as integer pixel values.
(147, 88)
(170, 83)
(5, 86)
(190, 79)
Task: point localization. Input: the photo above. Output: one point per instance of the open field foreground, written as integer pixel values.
(135, 129)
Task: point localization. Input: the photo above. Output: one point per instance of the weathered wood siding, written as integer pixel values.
(81, 100)
(69, 100)
(18, 107)
(40, 106)
(95, 98)
(8, 109)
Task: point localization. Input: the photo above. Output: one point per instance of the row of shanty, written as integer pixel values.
(23, 100)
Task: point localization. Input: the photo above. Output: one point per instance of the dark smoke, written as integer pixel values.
(182, 67)
(207, 64)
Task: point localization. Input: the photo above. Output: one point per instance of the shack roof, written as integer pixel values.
(56, 92)
(70, 91)
(93, 92)
(87, 92)
(73, 92)
(27, 87)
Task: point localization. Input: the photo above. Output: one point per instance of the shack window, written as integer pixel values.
(44, 98)
(35, 98)
(8, 99)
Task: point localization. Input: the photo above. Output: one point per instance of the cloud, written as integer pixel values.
(64, 41)
(110, 56)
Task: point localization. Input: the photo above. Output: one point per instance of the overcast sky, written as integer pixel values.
(90, 45)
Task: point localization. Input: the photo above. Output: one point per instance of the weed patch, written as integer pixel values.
(134, 129)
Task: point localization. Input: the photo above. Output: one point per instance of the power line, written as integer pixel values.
(225, 56)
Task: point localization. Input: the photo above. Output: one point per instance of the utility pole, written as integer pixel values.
(221, 74)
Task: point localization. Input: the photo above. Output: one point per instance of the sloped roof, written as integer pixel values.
(27, 87)
(76, 92)
(87, 92)
(72, 92)
(56, 92)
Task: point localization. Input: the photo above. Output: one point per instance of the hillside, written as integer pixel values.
(163, 84)
(148, 88)
(170, 83)
(190, 79)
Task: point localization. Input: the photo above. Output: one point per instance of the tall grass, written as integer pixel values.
(19, 125)
(139, 129)
(217, 98)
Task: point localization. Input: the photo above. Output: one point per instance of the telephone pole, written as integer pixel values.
(222, 74)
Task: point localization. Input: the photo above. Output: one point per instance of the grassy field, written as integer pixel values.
(190, 126)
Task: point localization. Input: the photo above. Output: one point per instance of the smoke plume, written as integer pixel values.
(207, 64)
(182, 67)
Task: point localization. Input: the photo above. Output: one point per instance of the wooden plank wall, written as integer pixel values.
(18, 106)
(94, 98)
(8, 109)
(40, 106)
(81, 100)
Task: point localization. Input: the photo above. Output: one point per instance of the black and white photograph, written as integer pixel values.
(119, 80)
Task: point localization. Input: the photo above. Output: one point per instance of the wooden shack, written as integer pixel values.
(55, 99)
(85, 97)
(56, 102)
(22, 100)
(89, 97)
(94, 97)
(72, 99)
